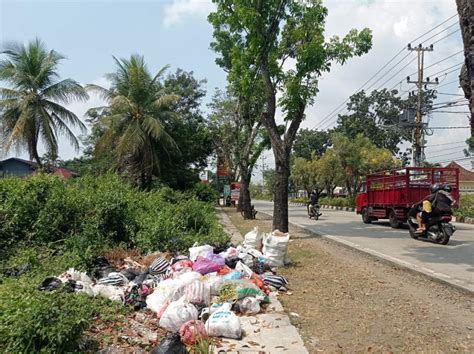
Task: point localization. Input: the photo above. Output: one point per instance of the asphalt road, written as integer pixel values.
(453, 263)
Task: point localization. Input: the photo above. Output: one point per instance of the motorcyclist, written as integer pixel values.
(438, 203)
(313, 203)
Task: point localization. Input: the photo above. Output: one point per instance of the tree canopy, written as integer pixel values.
(259, 39)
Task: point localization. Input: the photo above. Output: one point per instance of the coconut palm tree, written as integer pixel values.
(133, 119)
(31, 106)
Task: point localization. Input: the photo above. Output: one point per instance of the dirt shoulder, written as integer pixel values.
(348, 301)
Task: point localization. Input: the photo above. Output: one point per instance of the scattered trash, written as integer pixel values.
(192, 332)
(197, 296)
(170, 345)
(253, 239)
(275, 248)
(248, 306)
(177, 313)
(224, 324)
(51, 283)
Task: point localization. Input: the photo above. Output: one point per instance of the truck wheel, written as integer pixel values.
(394, 222)
(365, 216)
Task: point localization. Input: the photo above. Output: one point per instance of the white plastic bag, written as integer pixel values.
(244, 270)
(224, 324)
(253, 239)
(86, 288)
(195, 252)
(275, 248)
(197, 292)
(73, 274)
(248, 306)
(178, 313)
(109, 291)
(162, 294)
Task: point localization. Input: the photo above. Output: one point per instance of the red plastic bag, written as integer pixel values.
(224, 270)
(192, 332)
(180, 265)
(204, 266)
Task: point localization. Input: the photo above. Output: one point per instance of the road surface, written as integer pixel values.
(453, 263)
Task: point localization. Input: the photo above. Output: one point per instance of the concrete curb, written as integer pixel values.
(388, 260)
(327, 207)
(269, 332)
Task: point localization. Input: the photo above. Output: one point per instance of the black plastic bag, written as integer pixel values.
(49, 284)
(170, 345)
(231, 262)
(130, 273)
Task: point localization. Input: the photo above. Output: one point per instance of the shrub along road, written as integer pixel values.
(453, 263)
(342, 300)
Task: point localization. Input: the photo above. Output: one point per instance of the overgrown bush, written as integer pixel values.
(205, 192)
(466, 206)
(91, 213)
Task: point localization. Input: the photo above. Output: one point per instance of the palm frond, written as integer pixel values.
(104, 93)
(65, 115)
(166, 101)
(66, 91)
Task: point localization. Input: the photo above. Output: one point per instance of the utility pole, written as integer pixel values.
(263, 172)
(418, 138)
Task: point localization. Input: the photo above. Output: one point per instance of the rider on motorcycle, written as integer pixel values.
(313, 203)
(439, 202)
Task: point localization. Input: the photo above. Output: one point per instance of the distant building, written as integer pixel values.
(15, 167)
(466, 179)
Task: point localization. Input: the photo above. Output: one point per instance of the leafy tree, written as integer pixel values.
(330, 176)
(134, 132)
(309, 141)
(31, 106)
(376, 116)
(358, 157)
(240, 138)
(254, 40)
(305, 174)
(188, 128)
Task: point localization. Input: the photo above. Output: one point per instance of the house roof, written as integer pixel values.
(464, 175)
(29, 163)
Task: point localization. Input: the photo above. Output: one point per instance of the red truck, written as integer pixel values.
(389, 195)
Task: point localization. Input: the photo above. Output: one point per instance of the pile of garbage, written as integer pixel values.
(194, 296)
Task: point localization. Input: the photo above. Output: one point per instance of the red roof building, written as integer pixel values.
(466, 178)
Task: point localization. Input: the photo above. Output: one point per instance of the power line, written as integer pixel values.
(449, 83)
(449, 34)
(445, 144)
(449, 94)
(465, 127)
(327, 120)
(461, 159)
(450, 149)
(328, 117)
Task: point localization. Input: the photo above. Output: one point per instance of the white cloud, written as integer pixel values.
(179, 10)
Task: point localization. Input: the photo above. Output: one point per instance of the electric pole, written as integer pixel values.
(418, 136)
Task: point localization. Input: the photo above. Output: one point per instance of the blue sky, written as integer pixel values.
(176, 32)
(90, 32)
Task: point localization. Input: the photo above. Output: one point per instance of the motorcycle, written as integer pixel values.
(438, 229)
(313, 212)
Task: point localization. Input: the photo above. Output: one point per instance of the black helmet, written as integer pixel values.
(447, 188)
(436, 187)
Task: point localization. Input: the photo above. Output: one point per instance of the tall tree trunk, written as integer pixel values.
(280, 198)
(245, 199)
(466, 78)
